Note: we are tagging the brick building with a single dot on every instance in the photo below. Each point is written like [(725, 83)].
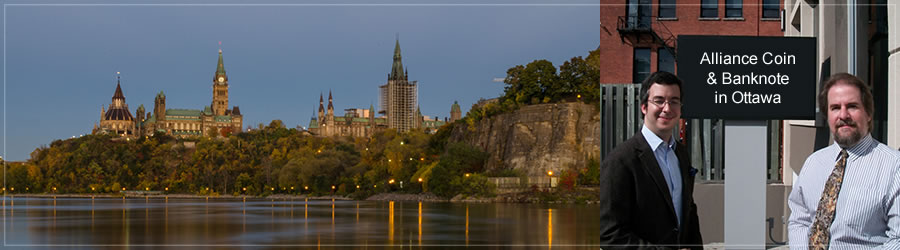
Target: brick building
[(637, 33)]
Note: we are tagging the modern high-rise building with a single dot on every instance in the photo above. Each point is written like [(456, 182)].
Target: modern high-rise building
[(399, 96)]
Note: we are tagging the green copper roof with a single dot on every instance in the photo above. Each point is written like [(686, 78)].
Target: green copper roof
[(161, 94), (397, 68), (220, 69), (313, 123), (183, 112)]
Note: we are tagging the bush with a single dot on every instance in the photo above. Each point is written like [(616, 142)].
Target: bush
[(475, 184), (591, 174)]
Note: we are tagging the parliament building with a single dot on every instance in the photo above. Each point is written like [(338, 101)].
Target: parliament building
[(398, 105), (215, 118)]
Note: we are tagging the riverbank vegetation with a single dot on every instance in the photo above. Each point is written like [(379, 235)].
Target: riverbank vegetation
[(269, 160)]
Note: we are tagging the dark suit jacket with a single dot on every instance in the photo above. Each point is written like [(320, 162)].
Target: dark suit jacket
[(636, 210)]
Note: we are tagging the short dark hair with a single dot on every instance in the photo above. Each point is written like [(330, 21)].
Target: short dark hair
[(662, 78), (865, 93)]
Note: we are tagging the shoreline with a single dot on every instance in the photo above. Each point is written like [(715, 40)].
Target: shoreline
[(177, 196), (578, 196)]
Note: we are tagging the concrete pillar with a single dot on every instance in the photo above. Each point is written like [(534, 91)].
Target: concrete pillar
[(893, 119)]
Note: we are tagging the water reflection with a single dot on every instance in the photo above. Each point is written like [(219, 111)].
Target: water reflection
[(271, 222), (549, 228), (420, 224)]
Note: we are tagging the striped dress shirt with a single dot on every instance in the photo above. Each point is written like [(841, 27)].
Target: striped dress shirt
[(867, 213)]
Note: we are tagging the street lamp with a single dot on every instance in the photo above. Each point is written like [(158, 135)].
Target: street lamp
[(550, 178)]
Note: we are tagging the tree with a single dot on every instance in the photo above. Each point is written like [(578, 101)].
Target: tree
[(541, 80), (225, 132), (276, 124), (212, 132), (577, 76)]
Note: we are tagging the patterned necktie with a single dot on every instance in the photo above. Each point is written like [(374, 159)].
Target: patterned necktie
[(819, 235)]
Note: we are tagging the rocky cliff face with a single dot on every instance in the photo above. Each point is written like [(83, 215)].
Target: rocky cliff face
[(537, 138)]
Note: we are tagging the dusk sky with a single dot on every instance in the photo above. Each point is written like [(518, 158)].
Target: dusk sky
[(60, 61)]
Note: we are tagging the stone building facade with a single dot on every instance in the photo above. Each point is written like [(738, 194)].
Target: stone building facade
[(399, 96), (216, 118), (118, 119)]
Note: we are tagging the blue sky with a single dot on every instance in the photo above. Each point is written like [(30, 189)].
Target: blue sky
[(61, 60)]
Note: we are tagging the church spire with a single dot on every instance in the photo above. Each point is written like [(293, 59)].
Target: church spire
[(321, 104), (330, 105), (221, 77), (118, 94), (397, 69)]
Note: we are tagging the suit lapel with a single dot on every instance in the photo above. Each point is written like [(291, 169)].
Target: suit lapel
[(648, 161)]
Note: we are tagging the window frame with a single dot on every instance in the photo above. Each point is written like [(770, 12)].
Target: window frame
[(666, 7), (639, 76), (734, 8), (771, 7), (707, 7)]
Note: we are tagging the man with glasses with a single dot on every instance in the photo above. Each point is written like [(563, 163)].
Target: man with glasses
[(647, 182)]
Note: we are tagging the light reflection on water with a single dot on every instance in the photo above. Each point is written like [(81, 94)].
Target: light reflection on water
[(91, 222)]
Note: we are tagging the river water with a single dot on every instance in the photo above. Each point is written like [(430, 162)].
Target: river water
[(291, 223)]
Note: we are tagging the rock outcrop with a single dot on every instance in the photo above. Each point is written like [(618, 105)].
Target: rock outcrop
[(537, 138)]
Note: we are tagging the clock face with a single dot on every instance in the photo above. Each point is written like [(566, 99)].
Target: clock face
[(221, 79)]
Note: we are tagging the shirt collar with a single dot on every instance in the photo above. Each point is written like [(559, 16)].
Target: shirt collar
[(861, 148), (653, 139)]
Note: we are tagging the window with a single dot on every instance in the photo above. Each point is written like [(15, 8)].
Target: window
[(709, 8), (734, 8), (770, 9), (638, 13), (665, 61), (667, 8), (641, 67)]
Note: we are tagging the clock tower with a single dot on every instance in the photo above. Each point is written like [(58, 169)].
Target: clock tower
[(220, 89)]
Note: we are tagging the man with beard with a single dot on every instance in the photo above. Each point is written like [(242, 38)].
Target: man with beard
[(648, 183), (847, 194)]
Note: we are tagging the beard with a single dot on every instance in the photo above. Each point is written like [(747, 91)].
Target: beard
[(848, 140)]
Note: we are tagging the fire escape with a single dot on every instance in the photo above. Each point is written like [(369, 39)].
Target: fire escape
[(637, 30)]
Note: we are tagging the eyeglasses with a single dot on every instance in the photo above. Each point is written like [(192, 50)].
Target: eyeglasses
[(672, 103)]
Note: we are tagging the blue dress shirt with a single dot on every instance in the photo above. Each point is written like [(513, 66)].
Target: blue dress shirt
[(668, 164)]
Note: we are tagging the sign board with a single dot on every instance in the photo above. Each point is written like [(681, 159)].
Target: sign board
[(747, 77)]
